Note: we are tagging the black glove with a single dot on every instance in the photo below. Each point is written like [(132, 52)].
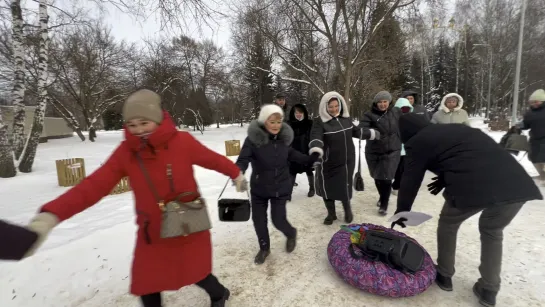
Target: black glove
[(399, 222), (436, 186), (314, 157)]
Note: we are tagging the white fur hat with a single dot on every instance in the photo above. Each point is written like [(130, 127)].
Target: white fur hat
[(268, 110), (538, 95)]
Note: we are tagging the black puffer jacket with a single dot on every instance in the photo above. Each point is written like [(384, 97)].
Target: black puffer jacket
[(534, 120), (270, 156), (383, 155), (477, 171), (331, 137), (301, 131)]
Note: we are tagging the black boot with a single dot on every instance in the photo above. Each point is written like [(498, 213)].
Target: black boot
[(261, 256), (383, 210), (311, 191), (348, 216), (443, 282), (486, 297), (221, 302), (331, 215), (291, 243)]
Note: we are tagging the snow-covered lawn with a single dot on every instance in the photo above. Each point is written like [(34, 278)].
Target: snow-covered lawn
[(86, 260)]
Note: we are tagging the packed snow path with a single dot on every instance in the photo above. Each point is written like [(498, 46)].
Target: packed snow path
[(86, 261)]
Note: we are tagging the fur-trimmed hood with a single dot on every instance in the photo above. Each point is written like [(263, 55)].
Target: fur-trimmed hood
[(259, 136), (323, 106), (460, 102)]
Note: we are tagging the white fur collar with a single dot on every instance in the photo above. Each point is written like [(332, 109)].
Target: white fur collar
[(323, 106), (460, 102)]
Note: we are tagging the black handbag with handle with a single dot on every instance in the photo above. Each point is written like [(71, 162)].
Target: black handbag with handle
[(233, 209), (358, 179)]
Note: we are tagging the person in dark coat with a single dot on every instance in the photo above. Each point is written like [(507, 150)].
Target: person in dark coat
[(514, 141), (477, 176), (301, 125), (15, 241), (280, 100), (412, 96), (267, 149), (331, 137), (534, 120), (383, 155)]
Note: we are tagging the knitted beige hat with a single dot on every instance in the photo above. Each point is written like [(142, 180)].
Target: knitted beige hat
[(538, 95), (143, 104)]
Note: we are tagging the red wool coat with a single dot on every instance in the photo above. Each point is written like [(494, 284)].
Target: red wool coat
[(159, 264)]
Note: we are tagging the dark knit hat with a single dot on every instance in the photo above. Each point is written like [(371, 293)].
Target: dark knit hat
[(410, 124), (143, 104)]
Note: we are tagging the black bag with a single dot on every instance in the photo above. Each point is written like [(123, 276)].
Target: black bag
[(398, 252), (233, 209), (358, 179)]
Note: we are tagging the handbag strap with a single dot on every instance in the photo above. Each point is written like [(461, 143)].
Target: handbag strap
[(160, 202), (359, 150), (225, 186)]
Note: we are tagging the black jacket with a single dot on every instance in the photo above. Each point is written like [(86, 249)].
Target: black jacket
[(417, 108), (478, 173), (270, 156), (331, 137), (301, 138), (382, 155), (15, 241), (534, 119)]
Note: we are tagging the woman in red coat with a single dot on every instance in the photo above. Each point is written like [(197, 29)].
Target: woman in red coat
[(168, 155)]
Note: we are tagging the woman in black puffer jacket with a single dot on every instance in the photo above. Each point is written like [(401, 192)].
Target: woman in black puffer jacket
[(383, 155), (267, 149), (301, 125)]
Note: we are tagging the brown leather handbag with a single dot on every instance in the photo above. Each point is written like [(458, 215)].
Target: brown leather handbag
[(179, 218)]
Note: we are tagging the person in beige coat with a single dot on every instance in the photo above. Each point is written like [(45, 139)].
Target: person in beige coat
[(450, 111)]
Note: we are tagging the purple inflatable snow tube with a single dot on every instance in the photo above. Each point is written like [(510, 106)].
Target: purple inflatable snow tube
[(374, 276)]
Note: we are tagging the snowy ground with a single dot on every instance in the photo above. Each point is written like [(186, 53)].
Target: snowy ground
[(86, 260)]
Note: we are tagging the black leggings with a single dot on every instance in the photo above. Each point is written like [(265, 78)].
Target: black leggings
[(210, 284), (384, 188)]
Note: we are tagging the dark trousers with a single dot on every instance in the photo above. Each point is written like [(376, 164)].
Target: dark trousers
[(309, 173), (399, 173), (491, 224), (210, 284), (278, 216), (384, 188)]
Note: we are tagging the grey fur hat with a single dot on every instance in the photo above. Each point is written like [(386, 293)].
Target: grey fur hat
[(382, 95)]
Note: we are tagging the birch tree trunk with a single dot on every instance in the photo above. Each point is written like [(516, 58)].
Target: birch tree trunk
[(29, 152), (18, 91), (7, 163)]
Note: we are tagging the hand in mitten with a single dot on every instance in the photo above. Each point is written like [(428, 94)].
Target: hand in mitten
[(314, 157), (15, 241), (400, 222), (42, 224), (241, 183), (377, 134), (436, 186)]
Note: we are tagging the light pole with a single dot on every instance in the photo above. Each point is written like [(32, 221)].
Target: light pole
[(519, 59), (489, 79)]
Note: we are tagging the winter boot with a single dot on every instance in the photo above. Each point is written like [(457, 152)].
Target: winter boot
[(221, 302), (348, 216), (311, 191), (443, 282), (383, 209), (331, 215), (291, 243), (261, 256), (486, 297)]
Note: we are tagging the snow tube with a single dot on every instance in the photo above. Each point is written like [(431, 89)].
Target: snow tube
[(374, 276)]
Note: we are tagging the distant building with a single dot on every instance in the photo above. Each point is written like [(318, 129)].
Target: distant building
[(54, 127)]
